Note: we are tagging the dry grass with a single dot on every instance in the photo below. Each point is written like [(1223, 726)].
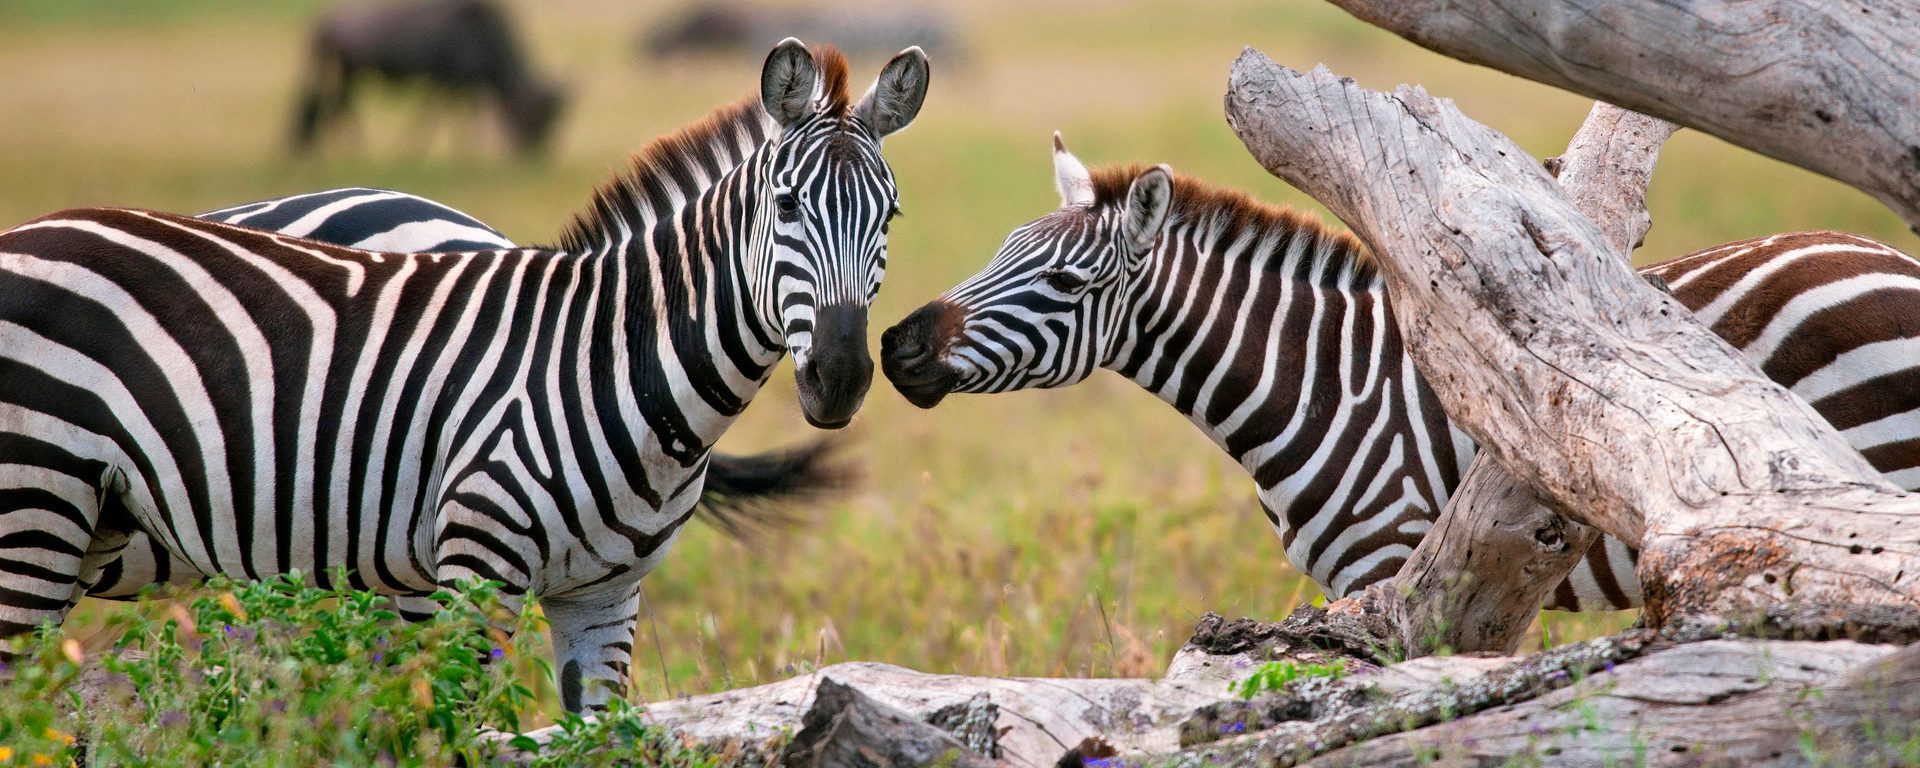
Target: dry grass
[(1075, 532)]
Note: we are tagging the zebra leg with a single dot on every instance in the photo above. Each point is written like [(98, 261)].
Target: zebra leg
[(47, 522), (1603, 580), (592, 643)]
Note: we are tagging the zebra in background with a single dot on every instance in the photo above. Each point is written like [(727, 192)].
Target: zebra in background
[(741, 495), (538, 417), (1273, 334)]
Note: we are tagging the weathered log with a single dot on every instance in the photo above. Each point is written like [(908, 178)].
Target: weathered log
[(1030, 721), (1596, 390), (1478, 578), (1721, 702), (1828, 86), (848, 729)]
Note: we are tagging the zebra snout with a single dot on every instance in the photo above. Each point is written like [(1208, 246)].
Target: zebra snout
[(910, 354), (834, 380)]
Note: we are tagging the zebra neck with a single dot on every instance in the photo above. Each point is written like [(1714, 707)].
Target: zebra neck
[(1256, 331), (690, 347)]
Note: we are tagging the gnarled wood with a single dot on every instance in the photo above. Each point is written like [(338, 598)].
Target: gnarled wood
[(1828, 86), (1598, 391), (1478, 578)]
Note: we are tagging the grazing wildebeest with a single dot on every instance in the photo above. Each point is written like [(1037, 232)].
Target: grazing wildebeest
[(746, 28), (466, 47)]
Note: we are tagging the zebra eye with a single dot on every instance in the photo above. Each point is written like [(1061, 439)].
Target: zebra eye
[(1063, 281), (788, 205)]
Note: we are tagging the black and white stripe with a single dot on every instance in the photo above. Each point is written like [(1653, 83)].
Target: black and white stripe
[(1275, 336), (367, 219), (539, 417)]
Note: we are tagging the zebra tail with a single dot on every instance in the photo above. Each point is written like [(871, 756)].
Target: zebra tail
[(748, 495)]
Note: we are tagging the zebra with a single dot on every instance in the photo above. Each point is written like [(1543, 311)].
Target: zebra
[(740, 494), (540, 418), (1273, 334)]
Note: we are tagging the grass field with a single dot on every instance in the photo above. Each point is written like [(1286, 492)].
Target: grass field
[(1073, 532)]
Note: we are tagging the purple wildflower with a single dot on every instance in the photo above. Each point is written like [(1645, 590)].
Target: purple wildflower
[(1233, 727), (498, 654), (379, 657), (173, 718)]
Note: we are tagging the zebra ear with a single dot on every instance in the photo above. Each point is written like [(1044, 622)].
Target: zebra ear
[(1148, 201), (1070, 176), (788, 82), (897, 94)]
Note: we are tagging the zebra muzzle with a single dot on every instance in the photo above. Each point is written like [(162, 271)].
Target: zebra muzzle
[(834, 380)]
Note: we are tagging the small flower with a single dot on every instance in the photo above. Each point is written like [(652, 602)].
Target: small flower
[(173, 718), (1609, 666), (6, 753), (498, 653), (379, 657)]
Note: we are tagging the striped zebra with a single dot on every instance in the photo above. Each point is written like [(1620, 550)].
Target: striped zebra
[(539, 417), (1273, 334), (739, 494)]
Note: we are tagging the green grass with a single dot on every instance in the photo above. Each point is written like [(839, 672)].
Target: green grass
[(1071, 532)]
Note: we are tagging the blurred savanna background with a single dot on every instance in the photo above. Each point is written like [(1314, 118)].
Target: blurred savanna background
[(1072, 532)]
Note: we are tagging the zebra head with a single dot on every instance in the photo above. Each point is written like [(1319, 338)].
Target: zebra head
[(1047, 310), (824, 206)]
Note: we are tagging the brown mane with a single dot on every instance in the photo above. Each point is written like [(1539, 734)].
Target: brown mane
[(1194, 198), (665, 173)]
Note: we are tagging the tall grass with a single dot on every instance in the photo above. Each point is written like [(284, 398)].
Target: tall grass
[(1071, 532)]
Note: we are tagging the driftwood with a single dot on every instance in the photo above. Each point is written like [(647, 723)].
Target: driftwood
[(1477, 579), (1828, 86), (1598, 391)]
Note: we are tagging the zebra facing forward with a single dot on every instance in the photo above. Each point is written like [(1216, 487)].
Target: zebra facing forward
[(740, 494), (542, 418), (1274, 335)]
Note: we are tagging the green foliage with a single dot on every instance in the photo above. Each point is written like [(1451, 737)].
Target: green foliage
[(281, 673), (1274, 676), (617, 737)]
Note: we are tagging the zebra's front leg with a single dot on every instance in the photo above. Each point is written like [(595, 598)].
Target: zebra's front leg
[(592, 643)]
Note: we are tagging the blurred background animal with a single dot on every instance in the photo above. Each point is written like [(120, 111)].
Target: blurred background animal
[(744, 29), (465, 49)]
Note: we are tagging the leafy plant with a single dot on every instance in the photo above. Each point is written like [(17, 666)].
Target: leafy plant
[(1275, 675), (278, 672)]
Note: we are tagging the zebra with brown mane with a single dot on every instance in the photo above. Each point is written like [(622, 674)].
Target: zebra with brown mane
[(1273, 333)]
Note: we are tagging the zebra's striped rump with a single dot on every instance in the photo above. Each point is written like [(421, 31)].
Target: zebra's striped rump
[(1274, 335), (257, 403)]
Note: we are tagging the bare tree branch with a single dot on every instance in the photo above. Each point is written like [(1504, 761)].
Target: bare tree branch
[(1828, 86)]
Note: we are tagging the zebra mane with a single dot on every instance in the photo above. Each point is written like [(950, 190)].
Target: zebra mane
[(1230, 209), (671, 170)]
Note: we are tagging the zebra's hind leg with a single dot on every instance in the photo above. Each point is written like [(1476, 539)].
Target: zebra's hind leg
[(592, 643)]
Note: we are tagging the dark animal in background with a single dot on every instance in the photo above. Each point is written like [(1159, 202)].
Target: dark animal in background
[(747, 30), (465, 47)]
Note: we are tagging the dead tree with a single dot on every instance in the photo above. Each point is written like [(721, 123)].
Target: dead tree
[(1478, 578), (1828, 86), (1595, 389)]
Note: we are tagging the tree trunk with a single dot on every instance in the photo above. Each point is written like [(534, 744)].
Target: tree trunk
[(1596, 390), (1478, 578), (1828, 86)]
